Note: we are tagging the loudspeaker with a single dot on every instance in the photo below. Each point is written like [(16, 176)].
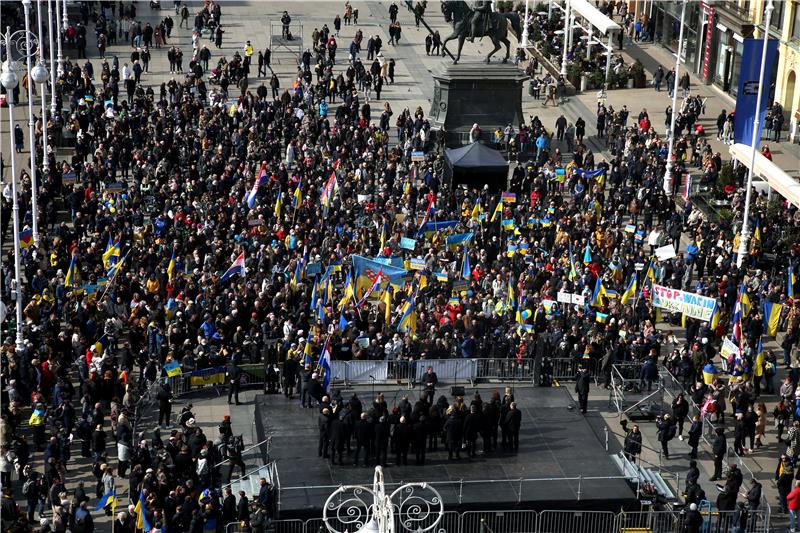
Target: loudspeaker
[(456, 390)]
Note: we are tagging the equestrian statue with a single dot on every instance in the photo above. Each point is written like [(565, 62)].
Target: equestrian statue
[(479, 21)]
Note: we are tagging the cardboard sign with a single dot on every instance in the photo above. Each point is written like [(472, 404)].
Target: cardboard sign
[(416, 263), (678, 301), (665, 252), (418, 155), (407, 244)]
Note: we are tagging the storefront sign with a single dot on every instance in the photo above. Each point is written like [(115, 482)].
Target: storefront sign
[(678, 301), (709, 11)]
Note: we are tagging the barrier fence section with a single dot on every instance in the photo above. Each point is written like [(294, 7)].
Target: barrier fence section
[(251, 375), (447, 370), (514, 521)]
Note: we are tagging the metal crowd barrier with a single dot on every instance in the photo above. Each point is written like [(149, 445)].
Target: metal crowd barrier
[(252, 375), (453, 370), (513, 521)]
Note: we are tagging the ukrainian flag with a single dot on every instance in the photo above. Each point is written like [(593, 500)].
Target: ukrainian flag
[(709, 373), (601, 317), (172, 369), (72, 274), (278, 203), (790, 282), (349, 293), (171, 266), (466, 271), (110, 498), (497, 211), (598, 293), (630, 290), (365, 271), (772, 317), (141, 518), (298, 196), (440, 276), (408, 320), (476, 211), (713, 322), (744, 301), (387, 300), (573, 272), (512, 302), (112, 250)]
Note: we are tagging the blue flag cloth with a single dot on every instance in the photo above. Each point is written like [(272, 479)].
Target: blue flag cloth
[(106, 500), (747, 96)]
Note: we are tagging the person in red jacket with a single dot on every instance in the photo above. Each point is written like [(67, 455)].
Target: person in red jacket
[(793, 502)]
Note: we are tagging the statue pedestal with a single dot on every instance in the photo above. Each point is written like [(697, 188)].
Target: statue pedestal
[(469, 93)]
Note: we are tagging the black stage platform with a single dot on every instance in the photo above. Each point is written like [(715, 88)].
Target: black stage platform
[(555, 442)]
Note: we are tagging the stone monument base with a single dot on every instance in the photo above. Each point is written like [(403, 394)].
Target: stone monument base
[(489, 95)]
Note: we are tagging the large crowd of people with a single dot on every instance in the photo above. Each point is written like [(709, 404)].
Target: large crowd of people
[(191, 223)]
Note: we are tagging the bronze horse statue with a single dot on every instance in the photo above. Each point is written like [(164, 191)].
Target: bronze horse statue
[(460, 14)]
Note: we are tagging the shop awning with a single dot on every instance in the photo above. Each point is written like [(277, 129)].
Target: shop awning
[(778, 180), (593, 16)]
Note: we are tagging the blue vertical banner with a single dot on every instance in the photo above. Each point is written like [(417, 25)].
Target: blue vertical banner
[(748, 89)]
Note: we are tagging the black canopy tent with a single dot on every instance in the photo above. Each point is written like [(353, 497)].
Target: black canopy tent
[(476, 165)]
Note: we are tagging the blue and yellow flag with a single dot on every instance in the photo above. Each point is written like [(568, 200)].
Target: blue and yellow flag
[(25, 238), (141, 517), (498, 210), (408, 318), (791, 282), (172, 369), (109, 498), (772, 317), (630, 290), (112, 251), (298, 196), (512, 302), (573, 272), (744, 301), (71, 279), (466, 271), (171, 266), (278, 204)]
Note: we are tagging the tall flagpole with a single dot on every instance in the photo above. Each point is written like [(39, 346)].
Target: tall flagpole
[(753, 140)]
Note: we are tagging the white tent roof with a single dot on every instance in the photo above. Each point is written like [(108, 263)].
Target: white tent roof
[(593, 16), (780, 181)]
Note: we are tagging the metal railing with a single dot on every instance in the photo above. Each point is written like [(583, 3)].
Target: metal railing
[(514, 521), (454, 370)]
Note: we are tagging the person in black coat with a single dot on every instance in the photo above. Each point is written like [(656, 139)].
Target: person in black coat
[(243, 507), (382, 430), (337, 432), (582, 381), (472, 427), (323, 424), (680, 410), (695, 432), (290, 369), (633, 443), (420, 439), (719, 448), (363, 433), (512, 422), (453, 428), (402, 437), (229, 510), (693, 520), (491, 418), (666, 432), (739, 434)]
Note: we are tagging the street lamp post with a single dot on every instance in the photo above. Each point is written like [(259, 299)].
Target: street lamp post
[(525, 27), (50, 34), (668, 173), (9, 80), (58, 37), (408, 507), (567, 23), (745, 237), (26, 4), (40, 72)]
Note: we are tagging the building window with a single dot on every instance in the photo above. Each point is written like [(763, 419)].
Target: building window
[(796, 22), (777, 14)]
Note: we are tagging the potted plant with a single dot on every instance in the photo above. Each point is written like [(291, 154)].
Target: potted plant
[(638, 74), (575, 72), (596, 79)]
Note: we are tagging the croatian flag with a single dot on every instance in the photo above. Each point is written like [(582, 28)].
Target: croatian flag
[(237, 267), (375, 284), (325, 364), (251, 196)]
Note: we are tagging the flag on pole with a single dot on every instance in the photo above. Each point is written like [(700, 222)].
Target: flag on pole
[(298, 196), (278, 203), (325, 364), (630, 290), (108, 498), (375, 284), (498, 210), (26, 238), (171, 266), (70, 280), (791, 282), (466, 271), (237, 267), (112, 251), (250, 198)]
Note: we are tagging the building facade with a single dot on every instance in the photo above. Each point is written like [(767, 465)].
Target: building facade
[(714, 34)]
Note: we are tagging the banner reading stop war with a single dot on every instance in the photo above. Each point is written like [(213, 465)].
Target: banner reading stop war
[(678, 301)]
